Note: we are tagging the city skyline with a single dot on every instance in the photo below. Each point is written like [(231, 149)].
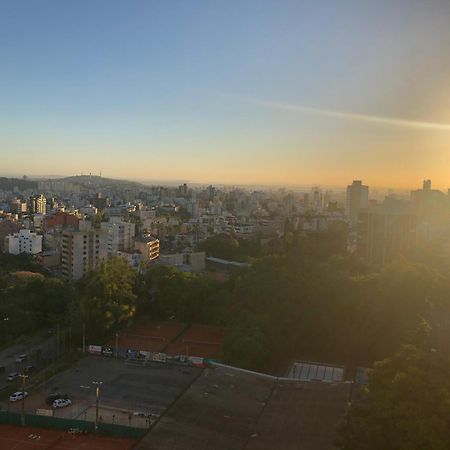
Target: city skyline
[(176, 182), (283, 93)]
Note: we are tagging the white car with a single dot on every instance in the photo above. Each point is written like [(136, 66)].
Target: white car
[(62, 402), (21, 358), (18, 396)]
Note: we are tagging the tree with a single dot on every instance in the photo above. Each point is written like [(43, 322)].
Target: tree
[(406, 405), (107, 297), (165, 292), (244, 346)]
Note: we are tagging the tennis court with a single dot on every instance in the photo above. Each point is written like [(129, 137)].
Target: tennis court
[(199, 340), (29, 438), (149, 336)]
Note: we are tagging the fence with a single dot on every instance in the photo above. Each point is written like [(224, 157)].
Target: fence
[(58, 423)]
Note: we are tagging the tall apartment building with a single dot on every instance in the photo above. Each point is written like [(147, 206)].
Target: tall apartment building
[(148, 246), (81, 250), (357, 200), (386, 231), (38, 204), (23, 242), (19, 206), (432, 210), (120, 235)]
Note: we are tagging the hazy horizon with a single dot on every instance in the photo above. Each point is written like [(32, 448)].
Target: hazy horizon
[(175, 182)]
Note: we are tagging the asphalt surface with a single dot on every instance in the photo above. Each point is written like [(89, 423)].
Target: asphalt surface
[(39, 354), (126, 389)]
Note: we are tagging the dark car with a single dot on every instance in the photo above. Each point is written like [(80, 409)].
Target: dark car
[(28, 370), (13, 376), (55, 396)]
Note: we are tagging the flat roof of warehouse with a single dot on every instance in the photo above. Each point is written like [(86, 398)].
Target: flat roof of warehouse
[(227, 408)]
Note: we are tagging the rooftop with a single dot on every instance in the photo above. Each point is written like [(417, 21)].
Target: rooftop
[(228, 408)]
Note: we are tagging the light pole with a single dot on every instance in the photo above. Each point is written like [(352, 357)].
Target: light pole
[(58, 339), (22, 415), (5, 320), (97, 398), (84, 337), (117, 345)]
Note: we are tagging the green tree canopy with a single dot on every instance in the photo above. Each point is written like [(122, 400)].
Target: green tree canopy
[(406, 405)]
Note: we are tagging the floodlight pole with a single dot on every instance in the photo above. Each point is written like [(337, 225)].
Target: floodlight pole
[(84, 337), (22, 414)]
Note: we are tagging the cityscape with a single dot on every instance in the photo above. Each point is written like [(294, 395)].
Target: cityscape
[(225, 225), (68, 225)]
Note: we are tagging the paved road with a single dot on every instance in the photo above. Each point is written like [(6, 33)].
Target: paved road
[(40, 354)]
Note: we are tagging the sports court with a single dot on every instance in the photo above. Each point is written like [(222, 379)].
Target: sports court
[(198, 340), (29, 438), (149, 336)]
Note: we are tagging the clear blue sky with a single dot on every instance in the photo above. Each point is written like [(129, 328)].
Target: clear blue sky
[(207, 90)]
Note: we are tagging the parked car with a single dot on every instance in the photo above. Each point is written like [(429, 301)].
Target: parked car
[(55, 396), (18, 396), (21, 358), (28, 370), (13, 376), (107, 351), (62, 402)]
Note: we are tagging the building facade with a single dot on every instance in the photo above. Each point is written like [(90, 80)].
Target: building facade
[(357, 200), (23, 242), (81, 251), (120, 235), (38, 204), (148, 246)]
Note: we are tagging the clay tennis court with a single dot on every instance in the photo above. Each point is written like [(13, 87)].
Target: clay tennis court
[(149, 336), (29, 438), (198, 340)]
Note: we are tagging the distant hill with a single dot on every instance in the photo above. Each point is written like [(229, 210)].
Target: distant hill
[(95, 180)]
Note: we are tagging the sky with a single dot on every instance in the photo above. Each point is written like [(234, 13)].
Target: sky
[(236, 91)]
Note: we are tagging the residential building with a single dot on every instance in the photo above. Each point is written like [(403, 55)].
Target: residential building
[(23, 242), (120, 235), (19, 206), (61, 220), (99, 202), (357, 200), (188, 261), (148, 246), (82, 250), (432, 210), (49, 259), (7, 227), (386, 231), (38, 204)]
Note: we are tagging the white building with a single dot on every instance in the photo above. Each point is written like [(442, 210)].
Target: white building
[(120, 235), (23, 242), (38, 204)]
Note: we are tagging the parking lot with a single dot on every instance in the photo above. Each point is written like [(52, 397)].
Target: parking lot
[(125, 390)]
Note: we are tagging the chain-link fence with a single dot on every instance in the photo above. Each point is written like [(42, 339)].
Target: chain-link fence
[(58, 423)]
